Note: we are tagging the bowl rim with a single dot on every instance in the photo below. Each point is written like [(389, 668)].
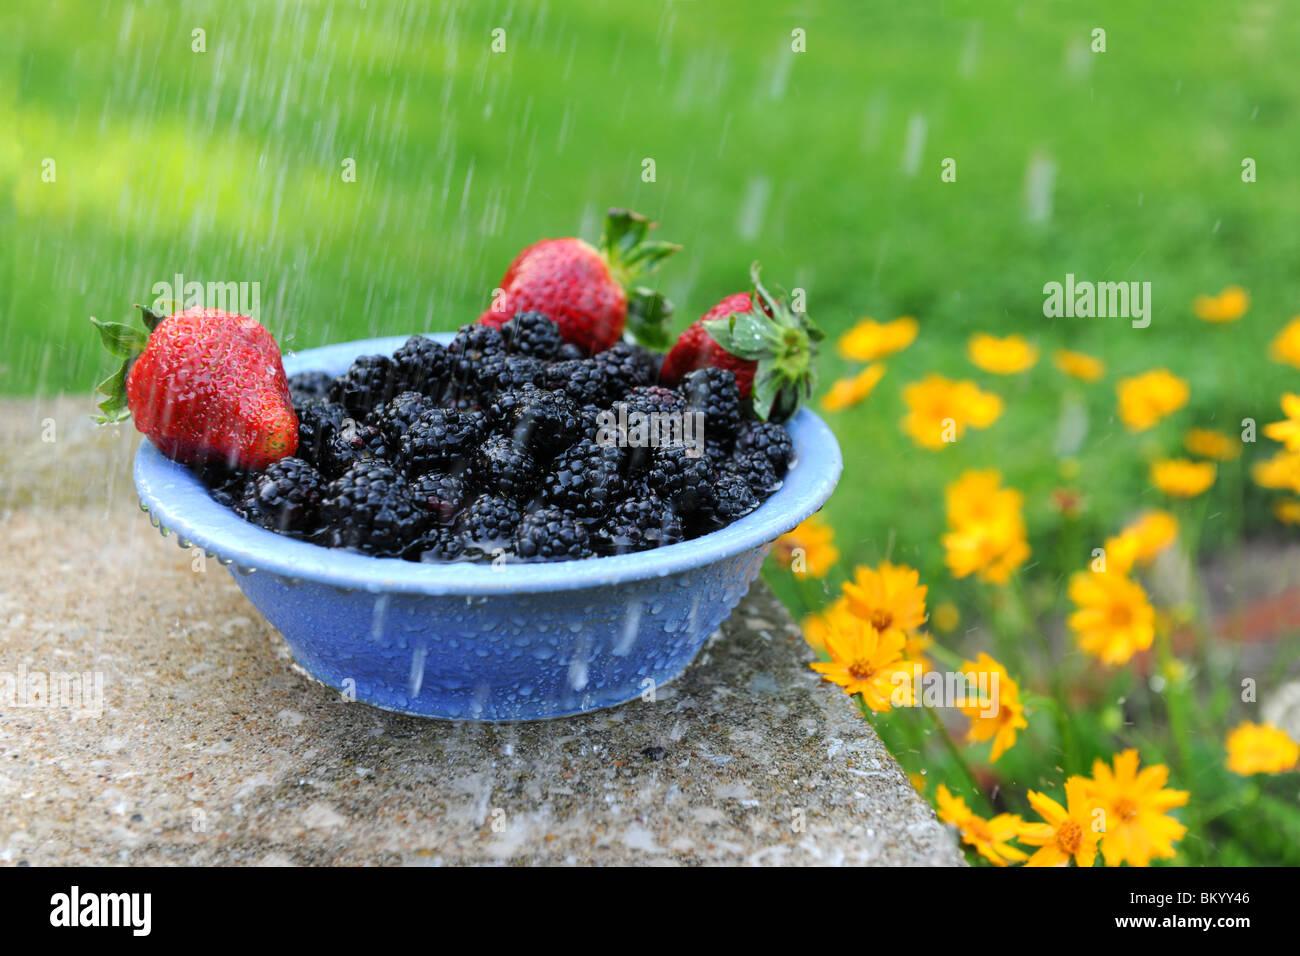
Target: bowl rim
[(179, 503)]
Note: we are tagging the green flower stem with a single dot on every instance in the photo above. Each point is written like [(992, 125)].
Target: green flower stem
[(1176, 704), (958, 758)]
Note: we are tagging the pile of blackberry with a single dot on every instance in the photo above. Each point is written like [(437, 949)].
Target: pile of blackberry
[(498, 444)]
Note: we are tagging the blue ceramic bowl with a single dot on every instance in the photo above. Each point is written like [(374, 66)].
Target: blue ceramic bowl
[(474, 642)]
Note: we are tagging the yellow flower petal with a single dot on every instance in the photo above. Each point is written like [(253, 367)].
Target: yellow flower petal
[(1228, 306), (870, 340), (1147, 398), (1078, 365), (1005, 356)]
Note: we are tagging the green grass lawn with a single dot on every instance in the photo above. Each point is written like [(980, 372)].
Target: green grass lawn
[(226, 165)]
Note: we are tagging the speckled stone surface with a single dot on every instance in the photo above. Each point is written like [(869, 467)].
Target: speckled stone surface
[(214, 748)]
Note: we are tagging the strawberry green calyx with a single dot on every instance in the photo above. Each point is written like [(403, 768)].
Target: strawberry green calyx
[(125, 342), (630, 255), (781, 341)]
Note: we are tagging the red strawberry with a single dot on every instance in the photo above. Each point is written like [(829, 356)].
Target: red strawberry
[(584, 290), (770, 350), (203, 385), (696, 348)]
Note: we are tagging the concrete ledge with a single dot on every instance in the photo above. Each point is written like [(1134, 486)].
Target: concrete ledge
[(213, 748)]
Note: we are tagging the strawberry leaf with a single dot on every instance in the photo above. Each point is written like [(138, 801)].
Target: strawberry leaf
[(648, 316), (781, 342), (743, 334), (113, 408), (648, 255), (627, 251), (624, 231), (121, 340), (151, 318), (767, 386)]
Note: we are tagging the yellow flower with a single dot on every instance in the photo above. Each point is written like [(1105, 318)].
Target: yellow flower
[(890, 597), (1287, 511), (946, 617), (847, 392), (1147, 398), (1280, 471), (1000, 713), (1141, 540), (914, 649), (1182, 478), (987, 536), (1078, 365), (1001, 356), (809, 549), (1067, 833), (864, 661), (870, 340), (1287, 431), (1137, 827), (1260, 748), (1208, 443), (990, 838), (940, 410), (1228, 306), (1286, 347), (1114, 620), (818, 624)]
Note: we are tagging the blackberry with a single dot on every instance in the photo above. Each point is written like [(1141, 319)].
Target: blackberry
[(654, 398), (439, 437), (439, 494), (732, 499), (351, 442), (549, 534), (758, 471), (681, 477), (316, 422), (638, 524), (394, 418), (770, 439), (371, 381), (285, 496), (649, 416), (473, 344), (583, 380), (590, 419), (226, 487), (713, 392), (538, 419), (532, 333), (422, 365), (435, 546), (502, 373), (570, 350), (307, 387), (503, 465), (488, 522), (585, 480), (628, 366), (369, 507)]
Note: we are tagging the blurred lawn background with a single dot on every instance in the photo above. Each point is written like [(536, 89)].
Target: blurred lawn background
[(226, 166)]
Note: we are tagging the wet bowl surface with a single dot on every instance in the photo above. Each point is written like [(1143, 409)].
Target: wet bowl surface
[(476, 642)]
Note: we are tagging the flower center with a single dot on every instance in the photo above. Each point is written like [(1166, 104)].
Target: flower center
[(1126, 808), (881, 619), (1120, 616), (1069, 837), (862, 669)]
